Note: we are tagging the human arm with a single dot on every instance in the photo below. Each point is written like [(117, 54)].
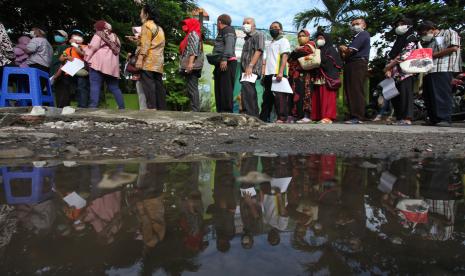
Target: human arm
[(93, 46), (285, 49), (32, 46), (446, 52), (192, 50), (145, 44), (229, 44), (249, 69)]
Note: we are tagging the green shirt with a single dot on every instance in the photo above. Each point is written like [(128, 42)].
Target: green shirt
[(57, 52)]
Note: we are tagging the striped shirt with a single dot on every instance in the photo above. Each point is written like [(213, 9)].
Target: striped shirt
[(193, 45), (443, 40)]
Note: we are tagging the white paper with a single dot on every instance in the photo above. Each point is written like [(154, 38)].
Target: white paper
[(72, 67), (386, 182), (281, 183), (252, 78), (250, 191), (73, 199), (282, 86), (389, 88)]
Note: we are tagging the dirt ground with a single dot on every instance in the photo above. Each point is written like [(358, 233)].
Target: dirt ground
[(103, 134)]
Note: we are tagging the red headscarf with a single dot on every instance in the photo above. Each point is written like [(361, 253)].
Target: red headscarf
[(189, 25)]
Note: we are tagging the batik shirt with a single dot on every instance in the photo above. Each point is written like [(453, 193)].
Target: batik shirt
[(7, 53)]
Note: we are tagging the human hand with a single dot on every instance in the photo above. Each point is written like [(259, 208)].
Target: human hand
[(224, 66), (69, 58), (140, 62), (248, 71), (189, 68), (388, 74), (279, 77)]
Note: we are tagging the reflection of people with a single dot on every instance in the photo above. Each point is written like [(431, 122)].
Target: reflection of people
[(225, 205), (38, 218), (274, 212), (441, 186), (104, 215)]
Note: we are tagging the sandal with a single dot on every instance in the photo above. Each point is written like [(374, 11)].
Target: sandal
[(279, 122), (353, 122), (325, 121)]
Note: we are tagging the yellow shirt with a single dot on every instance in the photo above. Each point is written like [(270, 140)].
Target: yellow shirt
[(152, 46)]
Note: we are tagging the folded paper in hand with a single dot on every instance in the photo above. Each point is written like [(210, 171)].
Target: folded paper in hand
[(252, 78), (251, 191), (75, 200), (72, 67), (282, 86)]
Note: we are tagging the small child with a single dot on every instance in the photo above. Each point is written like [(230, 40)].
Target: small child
[(20, 51)]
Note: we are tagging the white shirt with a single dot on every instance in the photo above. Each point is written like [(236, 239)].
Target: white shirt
[(274, 53), (271, 214)]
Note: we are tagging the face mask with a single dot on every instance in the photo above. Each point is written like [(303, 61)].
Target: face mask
[(428, 37), (78, 39), (274, 33), (247, 28), (320, 42), (400, 30), (356, 29), (59, 39), (302, 40)]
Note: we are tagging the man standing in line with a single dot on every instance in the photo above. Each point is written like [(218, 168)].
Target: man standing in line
[(251, 63), (225, 71), (437, 86), (356, 57), (277, 54)]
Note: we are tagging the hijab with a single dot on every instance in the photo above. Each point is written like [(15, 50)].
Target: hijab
[(189, 25), (403, 40), (103, 30), (331, 61)]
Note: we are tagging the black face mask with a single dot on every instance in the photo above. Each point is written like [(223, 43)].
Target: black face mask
[(274, 33)]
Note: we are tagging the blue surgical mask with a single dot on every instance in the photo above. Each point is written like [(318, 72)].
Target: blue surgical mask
[(59, 39)]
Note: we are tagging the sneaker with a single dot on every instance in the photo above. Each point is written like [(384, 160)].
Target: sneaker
[(304, 121), (443, 124), (353, 122)]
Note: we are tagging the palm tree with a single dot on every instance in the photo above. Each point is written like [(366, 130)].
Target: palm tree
[(336, 14)]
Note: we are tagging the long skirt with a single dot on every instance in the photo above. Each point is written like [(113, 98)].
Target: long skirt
[(323, 103)]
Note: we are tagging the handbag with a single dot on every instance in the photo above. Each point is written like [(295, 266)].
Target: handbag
[(198, 62), (131, 65), (419, 61), (311, 61), (331, 84), (213, 59)]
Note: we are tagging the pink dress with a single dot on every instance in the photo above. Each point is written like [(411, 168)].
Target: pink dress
[(100, 57)]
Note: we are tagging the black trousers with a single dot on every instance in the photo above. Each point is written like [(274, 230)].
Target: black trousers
[(154, 91), (268, 99), (355, 73), (224, 87), (192, 81), (63, 88), (249, 98), (437, 92), (403, 103)]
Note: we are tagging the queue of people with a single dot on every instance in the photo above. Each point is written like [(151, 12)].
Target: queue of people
[(313, 89)]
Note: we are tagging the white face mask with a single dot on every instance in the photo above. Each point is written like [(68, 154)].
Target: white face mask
[(402, 29), (428, 37), (320, 42), (356, 28), (77, 39), (247, 28)]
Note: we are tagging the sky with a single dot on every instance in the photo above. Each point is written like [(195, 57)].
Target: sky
[(264, 11)]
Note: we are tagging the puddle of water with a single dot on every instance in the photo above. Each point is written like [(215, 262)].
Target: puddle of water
[(292, 215)]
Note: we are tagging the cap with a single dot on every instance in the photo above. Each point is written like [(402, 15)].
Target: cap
[(62, 33)]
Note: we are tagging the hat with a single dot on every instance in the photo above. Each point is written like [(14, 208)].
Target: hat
[(77, 31), (62, 33)]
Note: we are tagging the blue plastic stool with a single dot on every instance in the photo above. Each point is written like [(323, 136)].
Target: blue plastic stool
[(37, 177), (35, 89)]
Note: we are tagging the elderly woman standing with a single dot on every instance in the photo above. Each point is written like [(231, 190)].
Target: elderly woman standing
[(7, 54), (40, 51), (327, 81), (150, 58), (191, 49), (300, 80), (102, 55)]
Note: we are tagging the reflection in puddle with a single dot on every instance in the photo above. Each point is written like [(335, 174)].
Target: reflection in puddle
[(252, 215)]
